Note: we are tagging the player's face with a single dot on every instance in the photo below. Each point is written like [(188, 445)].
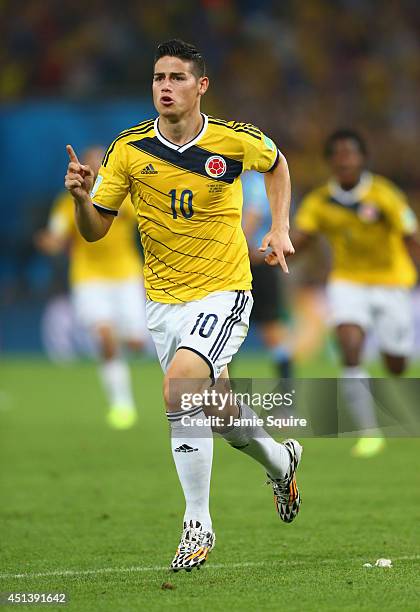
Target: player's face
[(93, 157), (176, 89), (347, 162)]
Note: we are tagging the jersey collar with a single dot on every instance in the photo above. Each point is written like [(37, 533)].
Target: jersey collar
[(187, 145), (347, 198)]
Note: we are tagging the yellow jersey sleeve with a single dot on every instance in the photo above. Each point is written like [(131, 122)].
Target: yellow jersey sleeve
[(260, 152), (399, 213), (112, 183), (307, 218), (61, 219)]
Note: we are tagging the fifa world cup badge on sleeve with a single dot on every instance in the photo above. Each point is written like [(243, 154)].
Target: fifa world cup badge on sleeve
[(96, 186)]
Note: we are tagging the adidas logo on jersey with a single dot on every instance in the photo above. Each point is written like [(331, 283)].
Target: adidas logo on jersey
[(184, 448), (149, 170)]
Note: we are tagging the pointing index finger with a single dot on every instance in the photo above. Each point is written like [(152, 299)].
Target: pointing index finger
[(283, 264), (72, 155)]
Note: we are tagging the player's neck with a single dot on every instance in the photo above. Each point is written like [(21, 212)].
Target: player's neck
[(349, 184), (181, 130)]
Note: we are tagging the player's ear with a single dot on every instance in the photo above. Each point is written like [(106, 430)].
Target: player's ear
[(203, 84)]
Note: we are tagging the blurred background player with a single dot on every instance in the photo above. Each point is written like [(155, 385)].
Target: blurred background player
[(370, 228), (107, 293), (270, 310)]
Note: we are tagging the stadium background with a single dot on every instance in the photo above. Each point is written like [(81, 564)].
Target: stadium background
[(71, 72)]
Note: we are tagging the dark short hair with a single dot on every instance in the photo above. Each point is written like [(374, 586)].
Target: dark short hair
[(344, 134), (183, 50)]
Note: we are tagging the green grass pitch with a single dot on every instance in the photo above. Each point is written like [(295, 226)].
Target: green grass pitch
[(97, 513)]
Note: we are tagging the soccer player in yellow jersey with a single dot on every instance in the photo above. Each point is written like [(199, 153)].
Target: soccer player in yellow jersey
[(182, 171), (107, 292), (370, 227)]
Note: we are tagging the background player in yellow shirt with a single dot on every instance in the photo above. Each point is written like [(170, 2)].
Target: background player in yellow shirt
[(369, 226), (107, 292), (182, 171)]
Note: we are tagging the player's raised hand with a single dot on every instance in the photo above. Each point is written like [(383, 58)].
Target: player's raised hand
[(79, 178), (281, 247)]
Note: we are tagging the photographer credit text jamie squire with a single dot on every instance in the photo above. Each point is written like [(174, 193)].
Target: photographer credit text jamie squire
[(216, 421), (213, 398)]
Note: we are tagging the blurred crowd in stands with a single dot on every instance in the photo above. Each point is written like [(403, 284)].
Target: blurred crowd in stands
[(296, 68)]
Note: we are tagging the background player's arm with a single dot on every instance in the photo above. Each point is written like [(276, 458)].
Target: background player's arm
[(251, 222), (301, 240), (306, 223), (404, 220), (49, 243), (412, 243), (55, 237), (92, 224)]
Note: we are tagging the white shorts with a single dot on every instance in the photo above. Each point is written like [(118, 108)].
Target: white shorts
[(120, 304), (213, 327), (386, 310)]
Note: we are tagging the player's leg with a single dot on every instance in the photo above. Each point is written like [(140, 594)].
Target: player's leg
[(191, 443), (395, 364), (351, 313), (249, 437), (191, 438), (394, 324), (220, 324), (131, 314), (95, 308), (269, 305), (279, 460), (274, 336)]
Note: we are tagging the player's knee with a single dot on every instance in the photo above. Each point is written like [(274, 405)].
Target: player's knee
[(398, 370), (107, 342), (173, 391), (351, 352), (135, 345), (170, 403), (351, 360), (397, 367)]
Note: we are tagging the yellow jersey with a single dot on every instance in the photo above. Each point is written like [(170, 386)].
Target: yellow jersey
[(114, 257), (365, 228), (188, 201)]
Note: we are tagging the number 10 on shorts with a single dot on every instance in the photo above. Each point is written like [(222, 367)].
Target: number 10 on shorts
[(207, 324)]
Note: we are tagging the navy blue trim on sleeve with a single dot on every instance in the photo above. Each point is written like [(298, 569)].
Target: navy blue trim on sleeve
[(276, 161), (108, 211)]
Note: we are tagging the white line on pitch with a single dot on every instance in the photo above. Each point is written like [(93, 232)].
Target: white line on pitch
[(121, 570), (157, 568)]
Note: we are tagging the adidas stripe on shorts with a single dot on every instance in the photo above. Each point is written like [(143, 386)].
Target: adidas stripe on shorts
[(213, 327)]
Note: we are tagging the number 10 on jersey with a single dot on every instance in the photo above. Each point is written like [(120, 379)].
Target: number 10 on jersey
[(185, 203)]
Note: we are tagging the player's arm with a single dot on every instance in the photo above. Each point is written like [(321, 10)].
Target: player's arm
[(49, 243), (251, 221), (404, 220), (278, 189), (92, 224), (301, 240), (412, 243), (55, 237), (306, 223)]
